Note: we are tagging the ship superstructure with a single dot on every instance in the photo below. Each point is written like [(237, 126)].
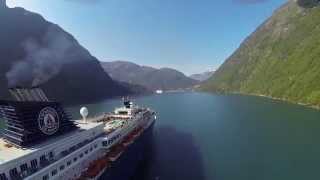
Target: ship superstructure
[(40, 141)]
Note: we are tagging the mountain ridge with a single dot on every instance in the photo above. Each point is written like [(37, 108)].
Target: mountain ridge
[(202, 76), (149, 77)]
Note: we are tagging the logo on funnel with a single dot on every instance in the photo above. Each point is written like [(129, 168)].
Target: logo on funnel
[(48, 121)]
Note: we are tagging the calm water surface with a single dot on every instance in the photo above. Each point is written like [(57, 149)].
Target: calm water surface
[(209, 137)]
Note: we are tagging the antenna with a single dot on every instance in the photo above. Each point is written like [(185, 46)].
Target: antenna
[(84, 113)]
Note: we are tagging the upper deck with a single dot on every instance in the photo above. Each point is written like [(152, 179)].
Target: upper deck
[(9, 153)]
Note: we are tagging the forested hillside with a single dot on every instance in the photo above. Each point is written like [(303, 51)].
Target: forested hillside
[(280, 59)]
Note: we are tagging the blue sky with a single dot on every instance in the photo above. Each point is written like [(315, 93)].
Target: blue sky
[(189, 35)]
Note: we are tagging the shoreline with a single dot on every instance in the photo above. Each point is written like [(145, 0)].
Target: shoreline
[(316, 107), (279, 99)]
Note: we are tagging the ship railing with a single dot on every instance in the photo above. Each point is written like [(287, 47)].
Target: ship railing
[(102, 118)]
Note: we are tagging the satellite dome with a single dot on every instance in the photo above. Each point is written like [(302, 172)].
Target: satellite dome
[(84, 112)]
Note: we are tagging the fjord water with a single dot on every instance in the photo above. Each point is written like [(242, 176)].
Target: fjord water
[(201, 136)]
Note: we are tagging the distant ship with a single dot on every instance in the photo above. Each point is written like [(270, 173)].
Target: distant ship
[(41, 142), (159, 91)]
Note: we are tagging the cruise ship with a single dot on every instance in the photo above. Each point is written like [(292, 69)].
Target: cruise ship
[(40, 140)]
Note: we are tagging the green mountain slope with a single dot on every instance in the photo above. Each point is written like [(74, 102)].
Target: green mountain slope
[(280, 59)]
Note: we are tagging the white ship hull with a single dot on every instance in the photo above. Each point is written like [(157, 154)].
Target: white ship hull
[(91, 152)]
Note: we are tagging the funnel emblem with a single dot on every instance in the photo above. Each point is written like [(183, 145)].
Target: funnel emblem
[(48, 121)]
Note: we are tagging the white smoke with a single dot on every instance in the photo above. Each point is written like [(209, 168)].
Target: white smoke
[(44, 59)]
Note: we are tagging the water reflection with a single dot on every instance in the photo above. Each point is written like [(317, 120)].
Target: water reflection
[(172, 156)]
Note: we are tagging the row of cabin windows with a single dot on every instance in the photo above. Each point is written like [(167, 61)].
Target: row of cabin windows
[(43, 161), (34, 165), (62, 167), (110, 141), (24, 167)]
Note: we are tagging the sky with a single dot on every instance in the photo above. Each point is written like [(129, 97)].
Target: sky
[(192, 36)]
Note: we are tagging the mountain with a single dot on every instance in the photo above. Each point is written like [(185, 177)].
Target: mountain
[(202, 76), (151, 78), (281, 59), (35, 52)]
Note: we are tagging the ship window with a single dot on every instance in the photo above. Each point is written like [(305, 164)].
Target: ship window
[(34, 163), (54, 172), (43, 160), (46, 177), (13, 173), (75, 159), (86, 152), (81, 155), (51, 155), (91, 149), (68, 163), (3, 176), (95, 146), (24, 167), (61, 167)]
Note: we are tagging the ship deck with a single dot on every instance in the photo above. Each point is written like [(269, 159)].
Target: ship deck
[(9, 153)]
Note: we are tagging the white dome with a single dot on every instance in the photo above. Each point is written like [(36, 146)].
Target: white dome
[(84, 112)]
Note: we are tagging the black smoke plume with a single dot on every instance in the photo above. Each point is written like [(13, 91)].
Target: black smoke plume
[(43, 58)]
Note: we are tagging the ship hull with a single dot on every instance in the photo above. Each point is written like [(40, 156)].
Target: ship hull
[(125, 167)]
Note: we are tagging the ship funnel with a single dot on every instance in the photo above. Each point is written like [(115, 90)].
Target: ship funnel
[(20, 93), (28, 95), (15, 94), (41, 94), (35, 95)]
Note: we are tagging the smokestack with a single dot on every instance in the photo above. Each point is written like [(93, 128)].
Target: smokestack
[(27, 94), (21, 95), (41, 94), (24, 94), (34, 94), (44, 95), (36, 90), (14, 94)]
